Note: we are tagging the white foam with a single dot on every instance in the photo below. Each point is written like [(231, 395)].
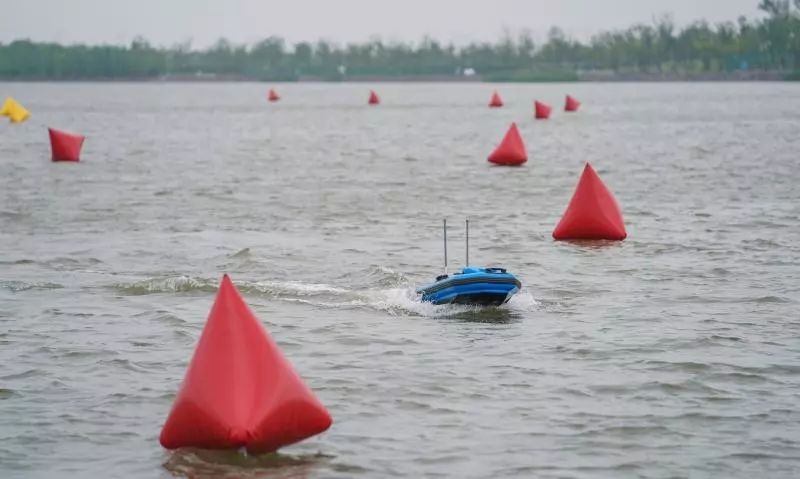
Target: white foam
[(523, 301), (294, 287), (405, 300)]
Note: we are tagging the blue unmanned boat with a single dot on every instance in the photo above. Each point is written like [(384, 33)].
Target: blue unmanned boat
[(472, 286)]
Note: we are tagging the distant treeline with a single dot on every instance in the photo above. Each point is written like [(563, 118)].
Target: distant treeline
[(771, 43)]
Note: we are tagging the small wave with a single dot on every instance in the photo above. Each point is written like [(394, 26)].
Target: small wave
[(23, 375), (7, 393), (242, 253), (376, 275), (17, 262), (785, 369), (759, 456), (717, 337), (71, 264), (127, 365), (739, 378), (770, 299), (18, 286), (630, 431), (672, 388), (12, 215), (172, 284), (688, 366)]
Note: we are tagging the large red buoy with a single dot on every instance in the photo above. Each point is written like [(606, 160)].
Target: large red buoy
[(496, 101), (511, 151), (542, 110), (239, 390), (373, 98), (273, 95), (65, 146), (593, 212), (571, 104)]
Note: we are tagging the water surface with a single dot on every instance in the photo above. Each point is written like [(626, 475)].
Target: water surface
[(675, 353)]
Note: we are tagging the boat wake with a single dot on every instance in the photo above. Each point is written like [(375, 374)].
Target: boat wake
[(394, 294), (193, 284)]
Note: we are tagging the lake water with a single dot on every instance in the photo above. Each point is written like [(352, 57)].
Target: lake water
[(675, 353)]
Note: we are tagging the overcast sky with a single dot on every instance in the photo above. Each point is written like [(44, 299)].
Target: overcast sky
[(166, 22)]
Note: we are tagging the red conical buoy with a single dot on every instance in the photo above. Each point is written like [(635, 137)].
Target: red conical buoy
[(542, 110), (273, 95), (239, 390), (496, 101), (593, 212), (511, 151), (65, 146), (373, 98), (571, 104)]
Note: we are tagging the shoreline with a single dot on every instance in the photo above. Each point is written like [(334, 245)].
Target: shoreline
[(583, 77)]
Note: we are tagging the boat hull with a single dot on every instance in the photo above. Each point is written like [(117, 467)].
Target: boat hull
[(474, 286)]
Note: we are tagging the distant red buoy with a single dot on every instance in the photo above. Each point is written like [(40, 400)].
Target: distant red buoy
[(571, 104), (65, 146), (511, 151), (593, 212), (373, 98), (239, 390), (542, 110), (496, 101), (273, 95)]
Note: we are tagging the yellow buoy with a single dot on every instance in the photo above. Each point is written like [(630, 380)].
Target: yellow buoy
[(14, 111)]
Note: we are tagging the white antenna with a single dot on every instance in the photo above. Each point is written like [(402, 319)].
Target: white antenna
[(467, 263), (445, 246)]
